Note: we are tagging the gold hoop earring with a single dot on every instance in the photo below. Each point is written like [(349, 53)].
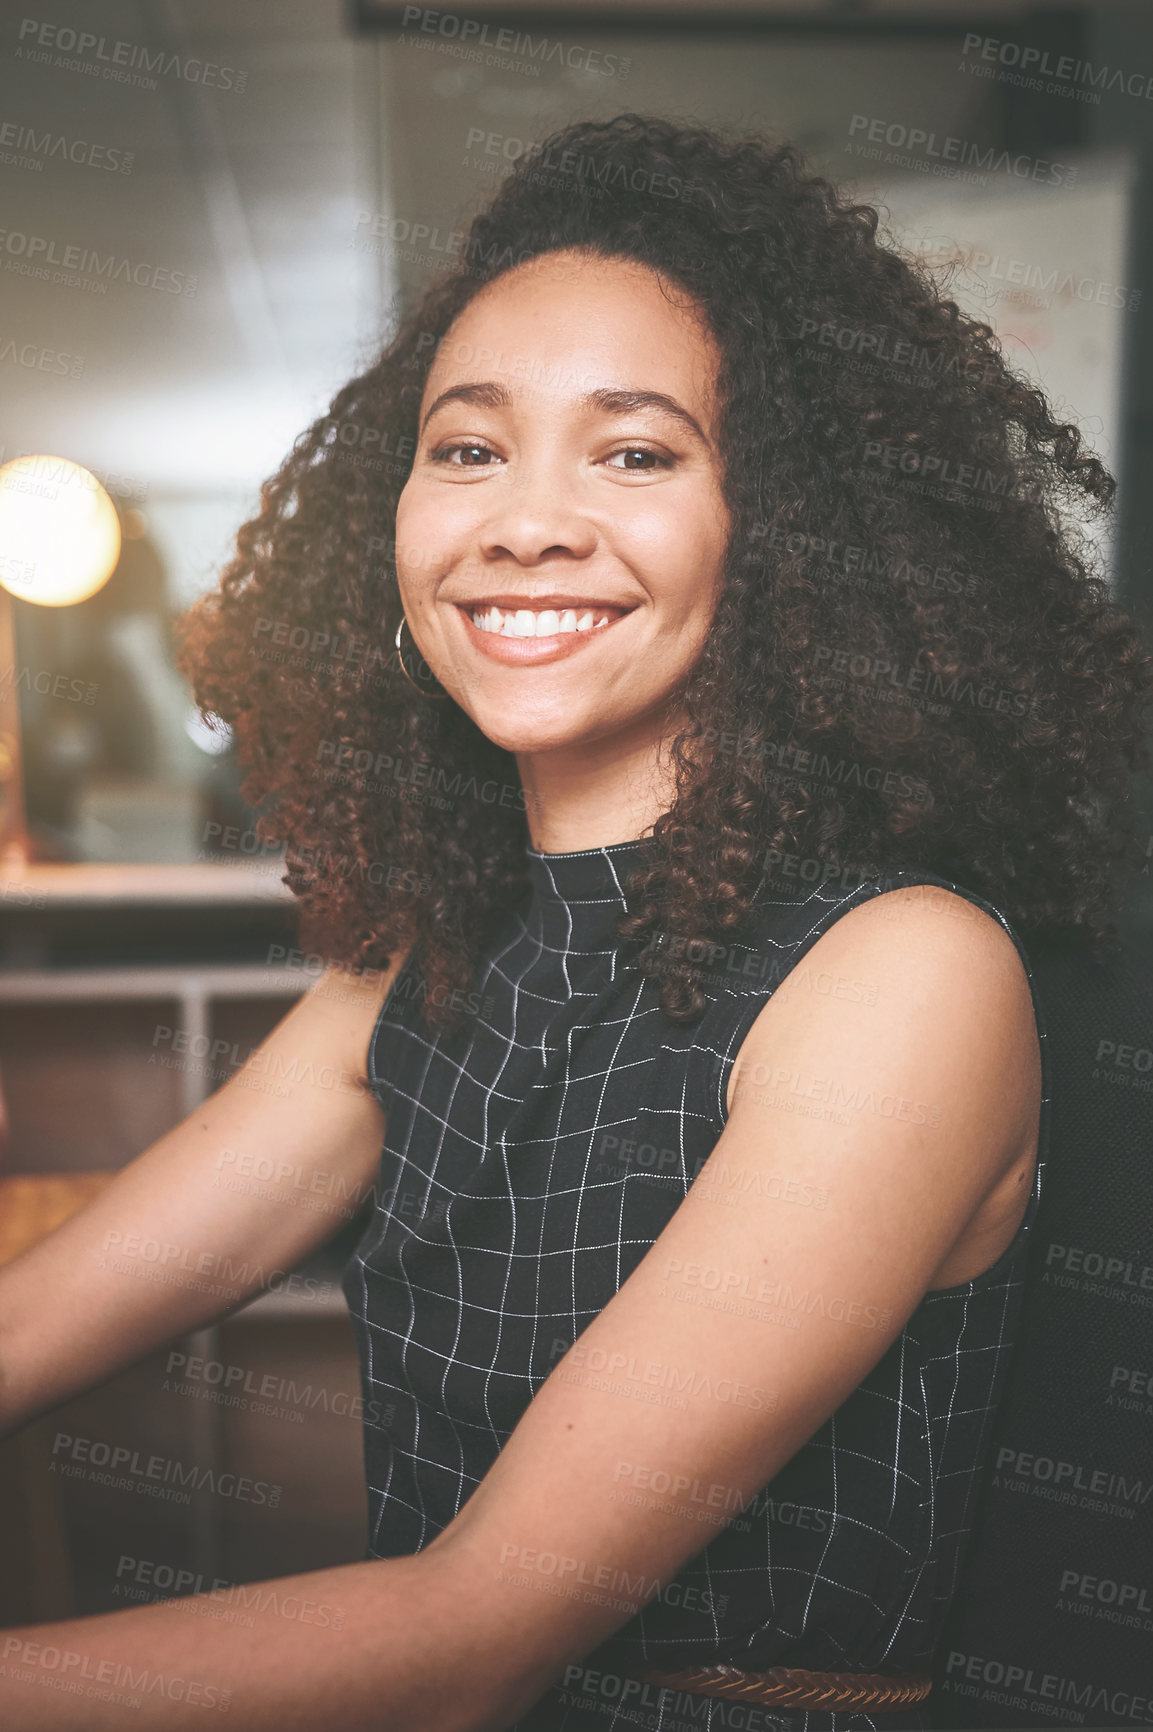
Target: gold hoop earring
[(436, 697)]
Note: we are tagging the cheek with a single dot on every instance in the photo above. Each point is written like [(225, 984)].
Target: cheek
[(684, 531), (432, 517), (407, 508), (423, 539), (690, 565), (662, 542)]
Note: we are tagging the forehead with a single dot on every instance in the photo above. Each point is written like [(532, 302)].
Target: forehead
[(567, 323)]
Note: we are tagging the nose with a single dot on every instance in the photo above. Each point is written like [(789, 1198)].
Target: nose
[(535, 513)]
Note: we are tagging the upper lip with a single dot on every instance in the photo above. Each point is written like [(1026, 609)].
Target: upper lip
[(511, 603)]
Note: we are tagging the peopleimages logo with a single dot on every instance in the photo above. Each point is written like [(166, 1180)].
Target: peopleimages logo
[(962, 153), (1063, 69), (506, 43), (128, 1470), (37, 358), (1048, 282), (123, 62), (1044, 1467), (150, 1581), (24, 147), (38, 1662), (31, 255), (1050, 1686)]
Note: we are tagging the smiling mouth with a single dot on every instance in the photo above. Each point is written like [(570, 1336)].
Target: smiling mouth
[(542, 622)]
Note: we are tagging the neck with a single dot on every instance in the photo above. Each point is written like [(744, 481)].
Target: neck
[(600, 792)]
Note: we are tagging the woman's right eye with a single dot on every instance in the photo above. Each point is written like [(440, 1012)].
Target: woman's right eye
[(441, 454)]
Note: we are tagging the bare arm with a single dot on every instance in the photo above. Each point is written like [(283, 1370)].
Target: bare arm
[(259, 1175), (594, 1501)]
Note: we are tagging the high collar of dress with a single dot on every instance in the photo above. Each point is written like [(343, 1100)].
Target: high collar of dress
[(576, 897)]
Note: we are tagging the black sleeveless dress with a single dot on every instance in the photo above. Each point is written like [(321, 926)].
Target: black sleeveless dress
[(529, 1163)]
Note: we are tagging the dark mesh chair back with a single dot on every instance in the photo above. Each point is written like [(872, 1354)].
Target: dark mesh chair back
[(1053, 1619)]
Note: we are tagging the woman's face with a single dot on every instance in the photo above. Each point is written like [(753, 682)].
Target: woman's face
[(566, 473)]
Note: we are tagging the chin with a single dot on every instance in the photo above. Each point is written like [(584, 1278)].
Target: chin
[(530, 741), (529, 735)]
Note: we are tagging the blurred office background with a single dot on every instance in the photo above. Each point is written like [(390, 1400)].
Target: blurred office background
[(281, 177)]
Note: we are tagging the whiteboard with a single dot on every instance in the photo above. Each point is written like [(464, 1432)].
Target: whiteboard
[(1046, 268)]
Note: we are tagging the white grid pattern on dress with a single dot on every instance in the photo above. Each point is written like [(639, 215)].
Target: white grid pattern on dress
[(508, 1216)]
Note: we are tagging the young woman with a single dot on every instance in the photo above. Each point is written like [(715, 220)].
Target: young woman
[(750, 701)]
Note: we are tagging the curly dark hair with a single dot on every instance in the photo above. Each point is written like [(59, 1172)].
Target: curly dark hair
[(913, 658)]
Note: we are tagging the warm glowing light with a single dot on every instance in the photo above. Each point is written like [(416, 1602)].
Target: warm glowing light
[(59, 533)]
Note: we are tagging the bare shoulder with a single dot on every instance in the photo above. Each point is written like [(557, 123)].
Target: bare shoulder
[(925, 993), (902, 950), (929, 949)]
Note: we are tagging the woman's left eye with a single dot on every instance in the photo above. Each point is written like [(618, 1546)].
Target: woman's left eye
[(658, 457)]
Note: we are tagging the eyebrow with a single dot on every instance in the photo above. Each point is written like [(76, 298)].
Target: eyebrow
[(489, 394)]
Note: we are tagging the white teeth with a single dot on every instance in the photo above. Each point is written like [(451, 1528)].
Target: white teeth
[(524, 622)]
